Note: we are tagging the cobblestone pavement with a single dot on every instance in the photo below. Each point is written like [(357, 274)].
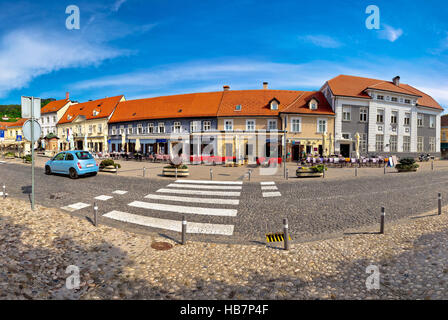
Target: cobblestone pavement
[(316, 209), (37, 247)]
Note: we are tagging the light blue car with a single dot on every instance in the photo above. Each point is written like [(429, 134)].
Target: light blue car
[(74, 163)]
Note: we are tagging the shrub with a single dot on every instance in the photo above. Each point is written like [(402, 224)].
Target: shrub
[(407, 164), (109, 162), (319, 168), (27, 158), (407, 161), (181, 166), (9, 154)]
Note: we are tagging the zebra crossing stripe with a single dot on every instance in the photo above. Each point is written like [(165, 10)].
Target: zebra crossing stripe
[(269, 188), (103, 198), (194, 186), (121, 192), (172, 225), (184, 209), (267, 183), (75, 206), (209, 182), (192, 200), (201, 192), (271, 194)]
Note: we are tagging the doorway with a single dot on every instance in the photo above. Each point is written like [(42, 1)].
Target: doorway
[(296, 152), (345, 150)]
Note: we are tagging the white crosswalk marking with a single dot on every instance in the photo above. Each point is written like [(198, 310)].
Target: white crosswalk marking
[(121, 192), (266, 186), (209, 182), (193, 200), (202, 192), (194, 186), (172, 225), (184, 209), (76, 206), (103, 198)]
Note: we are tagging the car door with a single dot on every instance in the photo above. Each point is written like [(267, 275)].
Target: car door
[(68, 163), (57, 163)]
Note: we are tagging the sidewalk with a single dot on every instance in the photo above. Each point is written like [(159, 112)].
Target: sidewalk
[(202, 172)]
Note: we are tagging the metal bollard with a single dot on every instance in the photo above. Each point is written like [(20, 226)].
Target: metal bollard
[(184, 230), (383, 216), (176, 173), (116, 169), (432, 164), (95, 214), (440, 203), (287, 174), (144, 172), (4, 192), (384, 169), (323, 173), (249, 173), (211, 174), (286, 233), (356, 171)]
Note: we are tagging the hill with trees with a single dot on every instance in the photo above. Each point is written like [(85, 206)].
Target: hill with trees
[(13, 111)]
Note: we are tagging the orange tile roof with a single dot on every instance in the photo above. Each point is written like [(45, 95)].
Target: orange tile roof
[(54, 106), (351, 86), (184, 105), (18, 123), (104, 106), (255, 102), (300, 105)]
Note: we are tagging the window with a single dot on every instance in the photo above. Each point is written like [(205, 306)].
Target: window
[(407, 119), (274, 105), (363, 114), (444, 136), (379, 143), (139, 128), (419, 120), (296, 125), (393, 117), (394, 99), (161, 127), (250, 125), (380, 116), (129, 131), (363, 142), (432, 144), (54, 119), (380, 97), (207, 125), (228, 125), (432, 121), (346, 136), (406, 144), (195, 126), (393, 143), (69, 157), (121, 130), (151, 128), (313, 104), (272, 124), (90, 128), (177, 127), (419, 144), (114, 131), (100, 128), (346, 114), (321, 125), (238, 107), (408, 101)]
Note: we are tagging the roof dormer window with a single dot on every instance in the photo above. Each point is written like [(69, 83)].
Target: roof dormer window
[(69, 117), (238, 107), (95, 113), (274, 105)]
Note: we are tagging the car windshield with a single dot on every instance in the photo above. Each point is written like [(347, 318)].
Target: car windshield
[(83, 155)]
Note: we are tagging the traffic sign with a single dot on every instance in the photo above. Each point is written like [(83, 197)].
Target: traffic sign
[(26, 129), (26, 107)]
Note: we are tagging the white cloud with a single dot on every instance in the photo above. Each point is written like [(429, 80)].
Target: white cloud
[(117, 5), (390, 33), (27, 54), (322, 41)]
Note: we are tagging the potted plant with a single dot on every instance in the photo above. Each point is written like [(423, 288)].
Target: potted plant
[(109, 165), (407, 165), (176, 168), (311, 172), (27, 158)]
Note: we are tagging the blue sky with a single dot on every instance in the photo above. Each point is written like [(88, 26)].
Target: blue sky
[(145, 48)]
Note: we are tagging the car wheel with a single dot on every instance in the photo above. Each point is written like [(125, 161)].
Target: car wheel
[(73, 173), (47, 170)]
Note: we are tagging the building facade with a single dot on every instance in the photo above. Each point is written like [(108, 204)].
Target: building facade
[(51, 114), (84, 126), (390, 118), (444, 136)]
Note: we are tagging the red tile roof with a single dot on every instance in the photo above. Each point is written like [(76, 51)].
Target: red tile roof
[(54, 106), (104, 107), (18, 123), (184, 105), (255, 102), (351, 86), (300, 105)]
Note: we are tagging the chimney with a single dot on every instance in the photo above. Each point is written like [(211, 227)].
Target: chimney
[(396, 81), (265, 85), (226, 88), (67, 95)]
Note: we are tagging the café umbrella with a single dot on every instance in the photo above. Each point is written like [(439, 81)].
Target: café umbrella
[(357, 144), (123, 141), (137, 145)]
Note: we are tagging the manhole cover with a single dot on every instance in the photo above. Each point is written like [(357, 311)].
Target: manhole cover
[(161, 245)]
